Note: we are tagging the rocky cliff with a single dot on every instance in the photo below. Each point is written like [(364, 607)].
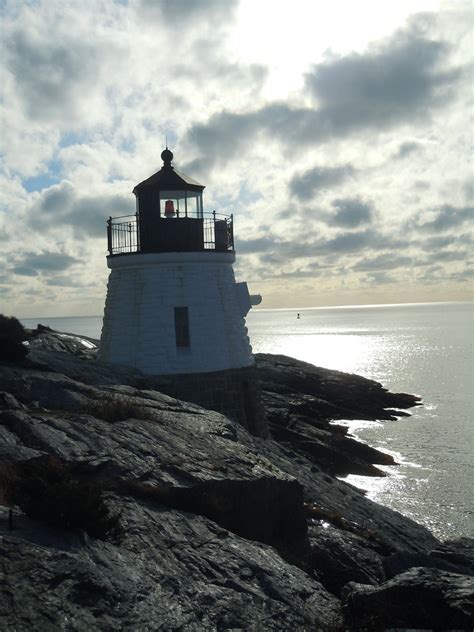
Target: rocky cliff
[(136, 511)]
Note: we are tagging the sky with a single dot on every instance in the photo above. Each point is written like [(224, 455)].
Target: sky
[(339, 134)]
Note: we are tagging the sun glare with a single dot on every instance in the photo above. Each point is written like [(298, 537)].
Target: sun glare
[(288, 37), (349, 353)]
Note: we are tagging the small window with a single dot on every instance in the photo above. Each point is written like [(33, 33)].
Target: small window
[(181, 326)]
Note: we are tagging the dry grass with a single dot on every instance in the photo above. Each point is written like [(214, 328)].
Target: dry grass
[(114, 407), (53, 491)]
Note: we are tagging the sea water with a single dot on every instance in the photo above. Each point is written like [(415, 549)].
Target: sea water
[(424, 349)]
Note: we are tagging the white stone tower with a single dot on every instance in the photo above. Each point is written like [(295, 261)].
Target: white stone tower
[(173, 307)]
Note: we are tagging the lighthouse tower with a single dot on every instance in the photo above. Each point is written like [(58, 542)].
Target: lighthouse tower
[(173, 308)]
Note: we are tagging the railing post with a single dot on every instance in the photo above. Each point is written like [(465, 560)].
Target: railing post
[(109, 235), (138, 232), (214, 228), (232, 230)]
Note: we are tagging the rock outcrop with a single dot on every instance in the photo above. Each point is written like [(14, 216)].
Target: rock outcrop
[(302, 400), (219, 530), (421, 598)]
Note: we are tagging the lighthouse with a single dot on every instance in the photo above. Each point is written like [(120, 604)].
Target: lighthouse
[(173, 308)]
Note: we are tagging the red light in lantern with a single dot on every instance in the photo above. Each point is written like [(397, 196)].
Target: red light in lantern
[(169, 208)]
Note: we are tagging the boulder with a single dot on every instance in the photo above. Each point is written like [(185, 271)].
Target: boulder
[(340, 556), (455, 556), (172, 571), (459, 553), (355, 397), (421, 598)]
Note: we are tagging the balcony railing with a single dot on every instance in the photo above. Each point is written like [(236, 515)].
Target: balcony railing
[(212, 231), (123, 234)]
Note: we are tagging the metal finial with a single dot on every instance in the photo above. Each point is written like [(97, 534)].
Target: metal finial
[(167, 157)]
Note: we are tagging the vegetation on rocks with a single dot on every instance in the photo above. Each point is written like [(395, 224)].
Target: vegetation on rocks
[(115, 407), (12, 336), (48, 489)]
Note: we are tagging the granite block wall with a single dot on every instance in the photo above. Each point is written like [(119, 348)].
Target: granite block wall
[(235, 393)]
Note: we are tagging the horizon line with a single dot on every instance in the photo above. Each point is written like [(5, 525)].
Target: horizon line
[(301, 309)]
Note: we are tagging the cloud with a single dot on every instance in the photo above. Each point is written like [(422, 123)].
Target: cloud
[(387, 261), (422, 185), (53, 74), (407, 148), (442, 219), (259, 244), (300, 273), (448, 255), (436, 243), (469, 190), (350, 242), (391, 82), (64, 281), (177, 13), (351, 212), (31, 263), (380, 278), (438, 274), (309, 183), (62, 206), (466, 274), (23, 270), (273, 249), (277, 251), (394, 82)]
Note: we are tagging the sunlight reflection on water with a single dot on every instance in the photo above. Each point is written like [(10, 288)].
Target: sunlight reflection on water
[(421, 349), (348, 352)]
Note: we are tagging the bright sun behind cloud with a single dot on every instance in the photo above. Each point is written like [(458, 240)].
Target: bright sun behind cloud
[(289, 36)]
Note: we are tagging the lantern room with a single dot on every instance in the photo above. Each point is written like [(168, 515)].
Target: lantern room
[(170, 217), (169, 193)]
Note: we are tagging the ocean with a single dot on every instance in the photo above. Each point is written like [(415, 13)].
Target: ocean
[(424, 349)]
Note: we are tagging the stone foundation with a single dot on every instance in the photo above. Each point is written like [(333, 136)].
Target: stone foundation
[(234, 393)]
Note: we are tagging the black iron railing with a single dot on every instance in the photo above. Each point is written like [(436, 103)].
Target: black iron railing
[(123, 233), (218, 231)]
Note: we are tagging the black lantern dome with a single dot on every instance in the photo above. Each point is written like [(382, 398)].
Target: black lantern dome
[(167, 180)]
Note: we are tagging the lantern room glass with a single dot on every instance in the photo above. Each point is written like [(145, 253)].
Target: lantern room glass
[(186, 203)]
